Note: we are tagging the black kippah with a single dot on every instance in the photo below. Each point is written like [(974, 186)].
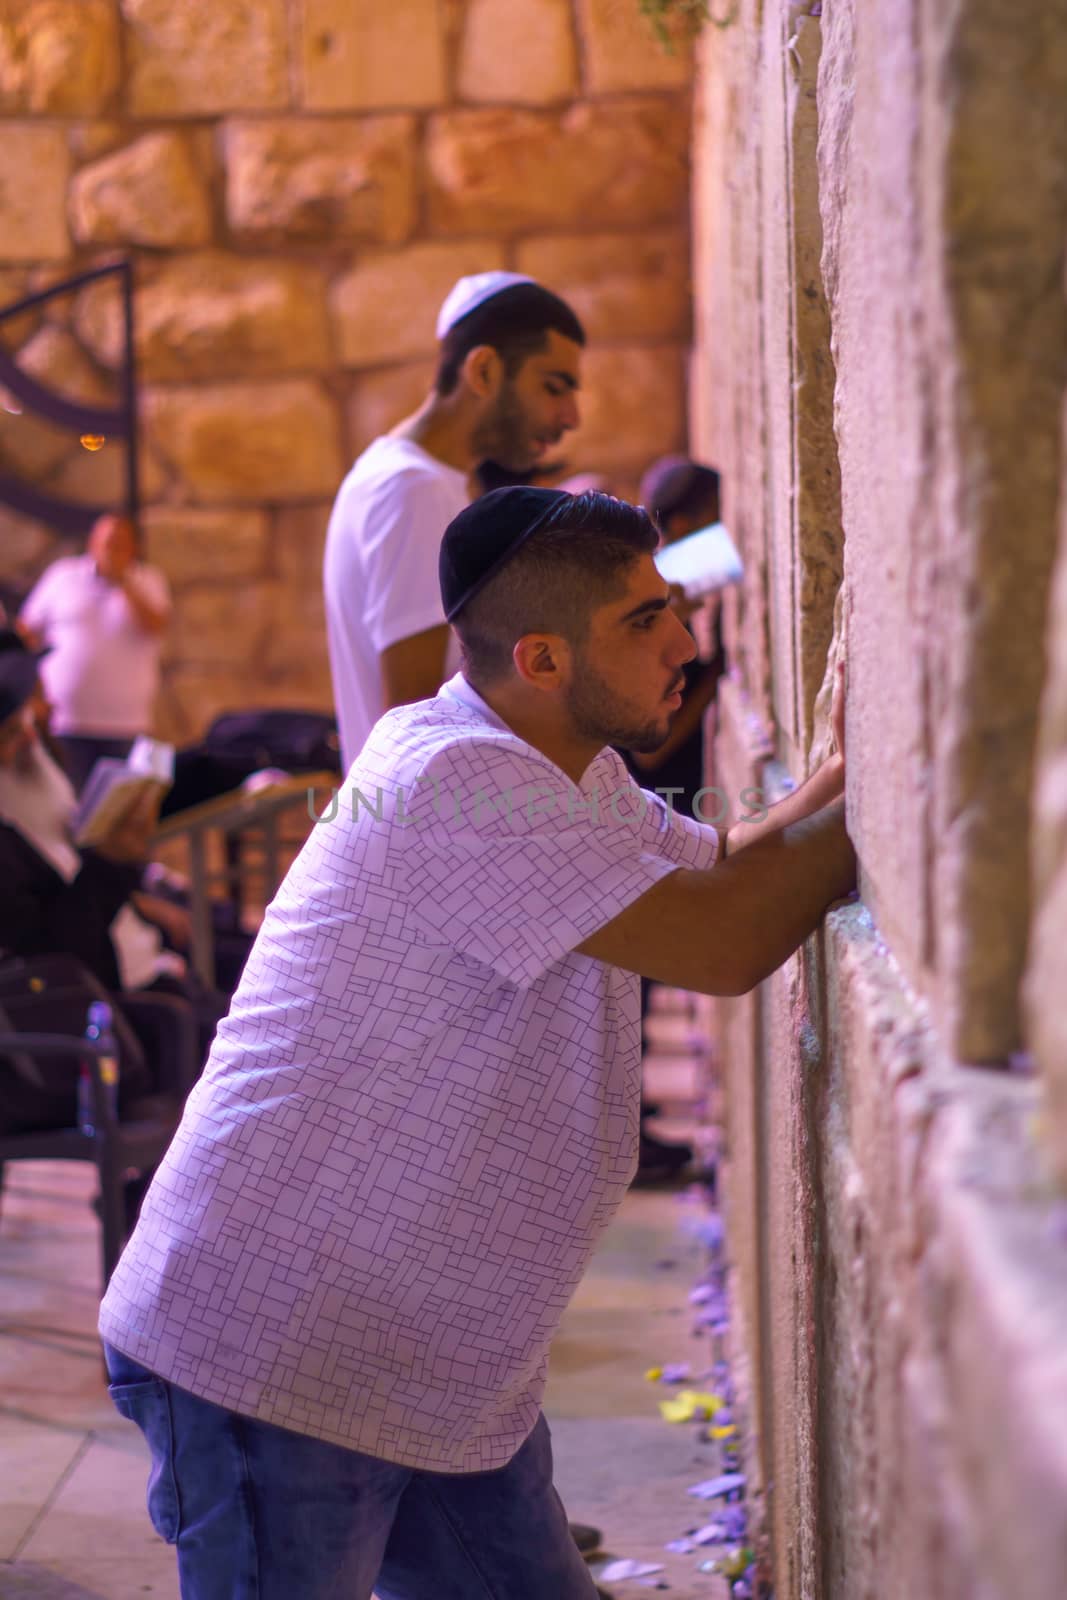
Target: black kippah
[(485, 536)]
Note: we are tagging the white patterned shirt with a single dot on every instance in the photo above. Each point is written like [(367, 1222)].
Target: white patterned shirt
[(422, 1110)]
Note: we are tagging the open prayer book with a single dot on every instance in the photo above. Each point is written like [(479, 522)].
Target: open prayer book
[(115, 786), (701, 562)]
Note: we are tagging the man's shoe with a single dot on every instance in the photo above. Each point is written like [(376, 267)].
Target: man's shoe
[(587, 1539)]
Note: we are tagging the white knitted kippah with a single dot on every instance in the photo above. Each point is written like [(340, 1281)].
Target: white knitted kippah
[(468, 293)]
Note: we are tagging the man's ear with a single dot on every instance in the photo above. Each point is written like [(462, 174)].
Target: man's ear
[(543, 660), (482, 370)]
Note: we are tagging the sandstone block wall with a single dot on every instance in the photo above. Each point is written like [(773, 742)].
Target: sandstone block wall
[(299, 183), (880, 222)]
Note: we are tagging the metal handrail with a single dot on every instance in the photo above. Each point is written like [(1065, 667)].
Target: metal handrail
[(228, 814)]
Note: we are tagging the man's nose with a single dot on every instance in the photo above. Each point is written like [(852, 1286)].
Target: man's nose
[(685, 646), (571, 415)]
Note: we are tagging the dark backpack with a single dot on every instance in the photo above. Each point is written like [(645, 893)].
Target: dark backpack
[(297, 741), (241, 742)]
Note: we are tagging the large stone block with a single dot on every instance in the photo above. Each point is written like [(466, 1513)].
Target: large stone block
[(14, 285), (1046, 976), (790, 1062), (946, 292), (203, 57), (805, 539), (34, 168), (386, 308), (32, 446), (518, 55), (57, 57), (381, 399), (632, 408), (873, 277), (251, 442), (299, 543), (227, 625), (150, 192), (871, 1108), (994, 1300), (90, 140), (998, 399), (739, 763), (359, 55), (728, 391), (215, 316), (297, 660), (331, 180), (26, 547), (622, 51), (602, 163), (193, 545), (621, 285)]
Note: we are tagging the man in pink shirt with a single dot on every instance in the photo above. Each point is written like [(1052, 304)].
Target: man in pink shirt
[(102, 616)]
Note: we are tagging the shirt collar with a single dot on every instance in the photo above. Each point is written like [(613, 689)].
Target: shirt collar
[(459, 689)]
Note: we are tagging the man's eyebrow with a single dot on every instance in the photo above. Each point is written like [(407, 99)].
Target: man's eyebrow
[(645, 607), (564, 377)]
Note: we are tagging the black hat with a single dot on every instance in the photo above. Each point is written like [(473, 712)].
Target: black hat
[(485, 536), (18, 673)]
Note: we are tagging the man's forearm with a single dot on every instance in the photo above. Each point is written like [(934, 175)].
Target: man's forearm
[(784, 885), (823, 787), (722, 930), (147, 612)]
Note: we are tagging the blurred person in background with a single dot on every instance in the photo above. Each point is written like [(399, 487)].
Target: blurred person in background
[(101, 616), (681, 496), (89, 904), (506, 385)]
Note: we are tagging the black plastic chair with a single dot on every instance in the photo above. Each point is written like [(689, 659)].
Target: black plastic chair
[(49, 1063)]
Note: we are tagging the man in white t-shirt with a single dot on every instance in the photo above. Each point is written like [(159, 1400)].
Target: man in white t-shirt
[(101, 616), (333, 1319), (505, 388)]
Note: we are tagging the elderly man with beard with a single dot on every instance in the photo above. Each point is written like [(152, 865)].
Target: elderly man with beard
[(505, 390), (333, 1320), (82, 908)]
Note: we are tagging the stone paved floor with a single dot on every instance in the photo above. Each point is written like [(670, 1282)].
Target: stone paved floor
[(72, 1473)]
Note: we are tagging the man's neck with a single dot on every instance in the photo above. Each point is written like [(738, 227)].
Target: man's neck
[(533, 726), (441, 427)]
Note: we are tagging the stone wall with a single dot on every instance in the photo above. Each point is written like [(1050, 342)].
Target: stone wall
[(880, 224), (299, 183)]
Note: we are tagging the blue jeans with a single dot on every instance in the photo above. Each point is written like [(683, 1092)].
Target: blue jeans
[(261, 1513)]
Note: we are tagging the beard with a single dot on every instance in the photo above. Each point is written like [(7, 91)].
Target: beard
[(599, 713), (504, 436)]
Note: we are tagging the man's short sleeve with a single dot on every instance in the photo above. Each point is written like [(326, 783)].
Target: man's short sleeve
[(513, 866), (402, 540)]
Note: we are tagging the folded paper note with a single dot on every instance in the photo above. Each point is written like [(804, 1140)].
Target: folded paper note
[(702, 562), (114, 787)]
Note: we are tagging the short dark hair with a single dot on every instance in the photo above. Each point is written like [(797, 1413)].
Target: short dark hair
[(677, 486), (516, 322), (577, 561)]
